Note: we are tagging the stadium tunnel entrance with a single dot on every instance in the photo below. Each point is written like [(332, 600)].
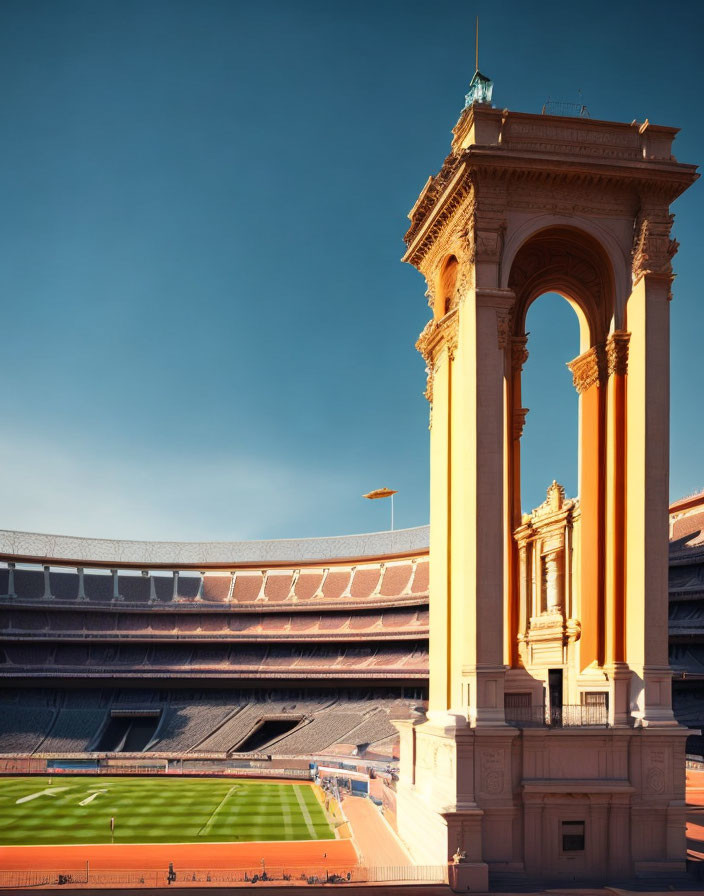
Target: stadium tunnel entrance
[(128, 732), (266, 732)]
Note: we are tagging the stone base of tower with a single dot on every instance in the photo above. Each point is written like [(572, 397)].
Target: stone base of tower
[(591, 805)]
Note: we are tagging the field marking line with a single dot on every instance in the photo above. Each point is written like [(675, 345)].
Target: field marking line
[(304, 810), (286, 814), (213, 815), (93, 795), (49, 791)]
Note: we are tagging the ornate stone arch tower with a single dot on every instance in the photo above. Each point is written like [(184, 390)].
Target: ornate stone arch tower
[(550, 745)]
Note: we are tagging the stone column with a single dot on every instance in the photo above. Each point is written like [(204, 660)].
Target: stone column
[(115, 585), (199, 595), (555, 581), (647, 466), (525, 590), (438, 345), (480, 536), (515, 585), (174, 593), (440, 659), (588, 376), (615, 547)]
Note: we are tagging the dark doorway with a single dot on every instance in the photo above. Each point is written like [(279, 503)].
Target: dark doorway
[(555, 696)]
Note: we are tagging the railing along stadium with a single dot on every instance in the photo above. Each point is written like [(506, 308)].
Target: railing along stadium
[(567, 716), (265, 873)]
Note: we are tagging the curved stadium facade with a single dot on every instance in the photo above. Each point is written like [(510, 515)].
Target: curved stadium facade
[(284, 649), (287, 648)]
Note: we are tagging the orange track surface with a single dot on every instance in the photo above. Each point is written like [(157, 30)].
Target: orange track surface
[(341, 855)]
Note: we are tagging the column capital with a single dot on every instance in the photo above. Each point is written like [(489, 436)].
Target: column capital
[(617, 353), (519, 421), (519, 353), (503, 301), (589, 368), (653, 248)]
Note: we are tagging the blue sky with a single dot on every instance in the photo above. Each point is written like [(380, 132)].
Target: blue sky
[(208, 331)]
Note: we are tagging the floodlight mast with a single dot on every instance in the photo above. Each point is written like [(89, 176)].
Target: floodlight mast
[(383, 493)]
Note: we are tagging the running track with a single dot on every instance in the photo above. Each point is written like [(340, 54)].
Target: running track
[(341, 855)]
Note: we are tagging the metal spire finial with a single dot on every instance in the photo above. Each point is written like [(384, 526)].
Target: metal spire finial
[(481, 87), (476, 31)]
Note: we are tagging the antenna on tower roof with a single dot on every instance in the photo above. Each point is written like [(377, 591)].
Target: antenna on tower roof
[(476, 31), (481, 87)]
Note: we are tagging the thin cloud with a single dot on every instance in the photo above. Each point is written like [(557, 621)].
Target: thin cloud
[(93, 490)]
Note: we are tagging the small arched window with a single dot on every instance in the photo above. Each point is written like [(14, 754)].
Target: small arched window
[(447, 284)]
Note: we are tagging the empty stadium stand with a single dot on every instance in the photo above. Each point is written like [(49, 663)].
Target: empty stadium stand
[(296, 658)]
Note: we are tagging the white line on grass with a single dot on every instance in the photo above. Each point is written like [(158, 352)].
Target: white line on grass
[(286, 816), (50, 791), (304, 809), (89, 799), (209, 823)]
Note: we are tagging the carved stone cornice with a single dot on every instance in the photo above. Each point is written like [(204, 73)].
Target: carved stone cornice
[(589, 368), (438, 212), (438, 334), (566, 167), (425, 343), (617, 354)]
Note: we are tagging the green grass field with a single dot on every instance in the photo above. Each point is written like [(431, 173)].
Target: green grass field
[(65, 810)]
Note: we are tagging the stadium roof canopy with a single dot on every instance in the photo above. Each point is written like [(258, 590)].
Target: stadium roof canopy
[(33, 547)]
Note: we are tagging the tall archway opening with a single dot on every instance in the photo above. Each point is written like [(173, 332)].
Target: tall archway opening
[(549, 440), (556, 555)]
